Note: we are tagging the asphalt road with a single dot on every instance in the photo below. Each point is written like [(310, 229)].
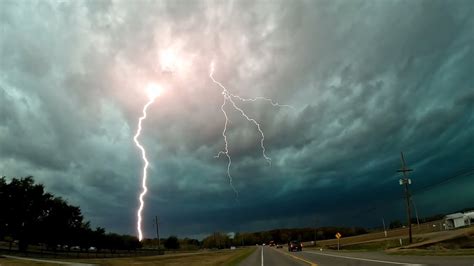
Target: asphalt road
[(272, 256)]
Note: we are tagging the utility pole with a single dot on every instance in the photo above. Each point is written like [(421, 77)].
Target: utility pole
[(157, 232), (315, 230), (384, 228), (406, 181)]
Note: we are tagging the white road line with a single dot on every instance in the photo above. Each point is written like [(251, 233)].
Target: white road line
[(48, 261), (262, 256), (354, 258)]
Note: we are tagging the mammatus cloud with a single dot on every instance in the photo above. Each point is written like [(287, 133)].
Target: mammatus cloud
[(367, 79)]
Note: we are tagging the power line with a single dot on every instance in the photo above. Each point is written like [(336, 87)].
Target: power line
[(430, 186), (380, 204)]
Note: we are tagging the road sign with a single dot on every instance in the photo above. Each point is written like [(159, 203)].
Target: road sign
[(338, 236)]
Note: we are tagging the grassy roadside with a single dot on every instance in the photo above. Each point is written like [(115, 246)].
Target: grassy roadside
[(377, 245), (462, 246), (235, 260), (213, 258), (459, 242), (13, 262), (425, 252), (380, 245)]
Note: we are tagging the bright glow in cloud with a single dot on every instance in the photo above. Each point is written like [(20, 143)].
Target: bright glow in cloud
[(169, 61), (153, 90)]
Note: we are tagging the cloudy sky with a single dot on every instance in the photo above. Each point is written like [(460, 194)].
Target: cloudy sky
[(367, 79)]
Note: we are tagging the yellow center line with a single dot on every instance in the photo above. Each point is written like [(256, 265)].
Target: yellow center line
[(298, 258)]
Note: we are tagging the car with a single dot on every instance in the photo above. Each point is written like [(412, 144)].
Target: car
[(92, 249), (295, 246), (279, 246), (272, 243)]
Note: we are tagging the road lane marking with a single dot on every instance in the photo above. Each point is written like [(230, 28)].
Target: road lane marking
[(371, 260), (262, 256), (298, 258), (48, 261)]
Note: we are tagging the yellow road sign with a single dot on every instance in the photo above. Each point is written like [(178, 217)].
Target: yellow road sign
[(338, 235)]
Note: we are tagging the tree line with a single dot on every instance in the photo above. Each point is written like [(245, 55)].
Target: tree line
[(30, 215), (280, 236), (220, 240)]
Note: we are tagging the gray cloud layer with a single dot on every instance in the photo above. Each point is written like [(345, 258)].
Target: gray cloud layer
[(367, 79)]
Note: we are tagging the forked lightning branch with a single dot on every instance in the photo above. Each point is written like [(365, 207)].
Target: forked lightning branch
[(229, 99)]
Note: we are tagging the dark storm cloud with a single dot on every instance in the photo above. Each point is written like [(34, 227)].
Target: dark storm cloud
[(367, 79)]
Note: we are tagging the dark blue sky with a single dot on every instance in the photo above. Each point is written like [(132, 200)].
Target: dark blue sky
[(367, 79)]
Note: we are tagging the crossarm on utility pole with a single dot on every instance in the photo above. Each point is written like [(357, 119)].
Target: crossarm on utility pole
[(406, 181)]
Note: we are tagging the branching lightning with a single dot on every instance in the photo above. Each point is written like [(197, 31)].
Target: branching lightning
[(229, 97), (153, 92)]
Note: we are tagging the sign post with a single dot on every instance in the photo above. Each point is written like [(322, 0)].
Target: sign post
[(338, 236)]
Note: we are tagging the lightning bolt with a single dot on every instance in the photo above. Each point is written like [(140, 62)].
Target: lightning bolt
[(229, 97), (145, 168)]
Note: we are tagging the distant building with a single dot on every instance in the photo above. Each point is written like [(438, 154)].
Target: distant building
[(469, 217), (459, 219), (454, 220)]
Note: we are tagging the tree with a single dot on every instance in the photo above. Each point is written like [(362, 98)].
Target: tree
[(217, 240), (395, 224), (22, 209), (63, 224), (98, 238), (189, 244), (31, 215), (172, 242)]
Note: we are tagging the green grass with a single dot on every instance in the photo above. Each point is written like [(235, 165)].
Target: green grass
[(459, 246), (428, 252), (201, 258), (243, 254), (462, 242), (377, 245)]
